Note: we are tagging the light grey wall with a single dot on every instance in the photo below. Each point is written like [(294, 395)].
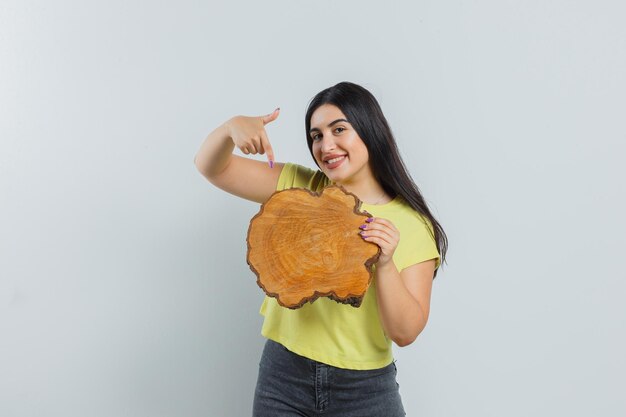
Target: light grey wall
[(124, 289)]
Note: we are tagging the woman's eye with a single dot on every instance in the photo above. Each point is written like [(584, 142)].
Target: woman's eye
[(314, 137), (342, 129)]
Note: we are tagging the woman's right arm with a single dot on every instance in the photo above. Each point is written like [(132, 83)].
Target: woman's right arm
[(247, 178)]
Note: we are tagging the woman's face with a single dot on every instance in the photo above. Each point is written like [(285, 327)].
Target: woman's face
[(337, 148)]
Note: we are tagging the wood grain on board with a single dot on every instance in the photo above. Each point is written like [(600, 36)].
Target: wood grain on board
[(304, 245)]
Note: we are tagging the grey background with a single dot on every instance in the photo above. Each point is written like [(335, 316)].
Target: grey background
[(124, 289)]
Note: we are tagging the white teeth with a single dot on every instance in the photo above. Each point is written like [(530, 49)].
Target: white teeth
[(330, 161)]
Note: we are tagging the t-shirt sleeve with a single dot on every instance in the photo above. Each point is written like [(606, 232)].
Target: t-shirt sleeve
[(294, 175), (418, 245)]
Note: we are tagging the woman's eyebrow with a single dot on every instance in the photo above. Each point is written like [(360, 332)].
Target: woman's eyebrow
[(313, 129)]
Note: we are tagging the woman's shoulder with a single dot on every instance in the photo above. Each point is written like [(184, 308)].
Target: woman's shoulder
[(409, 217), (295, 175)]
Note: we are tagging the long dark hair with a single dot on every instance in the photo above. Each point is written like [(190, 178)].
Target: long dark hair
[(364, 113)]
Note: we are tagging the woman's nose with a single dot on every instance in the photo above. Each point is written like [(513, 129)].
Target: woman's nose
[(328, 144)]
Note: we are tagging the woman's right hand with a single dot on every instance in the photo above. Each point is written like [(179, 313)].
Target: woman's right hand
[(249, 135)]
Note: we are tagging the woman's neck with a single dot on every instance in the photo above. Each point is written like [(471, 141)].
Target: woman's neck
[(369, 192)]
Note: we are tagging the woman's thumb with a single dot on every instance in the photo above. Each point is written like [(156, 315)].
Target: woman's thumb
[(271, 117)]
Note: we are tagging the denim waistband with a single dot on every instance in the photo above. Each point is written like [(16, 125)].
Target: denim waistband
[(287, 379)]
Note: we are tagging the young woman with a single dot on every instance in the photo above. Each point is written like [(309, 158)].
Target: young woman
[(327, 358)]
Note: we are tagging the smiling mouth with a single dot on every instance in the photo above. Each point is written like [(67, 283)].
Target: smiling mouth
[(335, 162), (332, 161)]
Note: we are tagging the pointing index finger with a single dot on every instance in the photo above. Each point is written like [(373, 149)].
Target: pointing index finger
[(268, 149)]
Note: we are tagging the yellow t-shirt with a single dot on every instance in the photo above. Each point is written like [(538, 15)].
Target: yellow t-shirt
[(339, 334)]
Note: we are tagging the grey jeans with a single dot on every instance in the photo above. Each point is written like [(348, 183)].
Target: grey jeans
[(292, 385)]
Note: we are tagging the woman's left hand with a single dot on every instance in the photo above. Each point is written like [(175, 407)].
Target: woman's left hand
[(384, 234)]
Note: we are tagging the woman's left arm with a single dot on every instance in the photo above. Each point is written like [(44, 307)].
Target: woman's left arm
[(403, 297)]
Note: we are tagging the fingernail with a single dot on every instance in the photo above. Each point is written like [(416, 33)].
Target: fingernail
[(363, 226), (271, 164), (369, 219)]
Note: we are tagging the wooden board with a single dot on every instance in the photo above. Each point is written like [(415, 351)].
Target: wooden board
[(304, 245)]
